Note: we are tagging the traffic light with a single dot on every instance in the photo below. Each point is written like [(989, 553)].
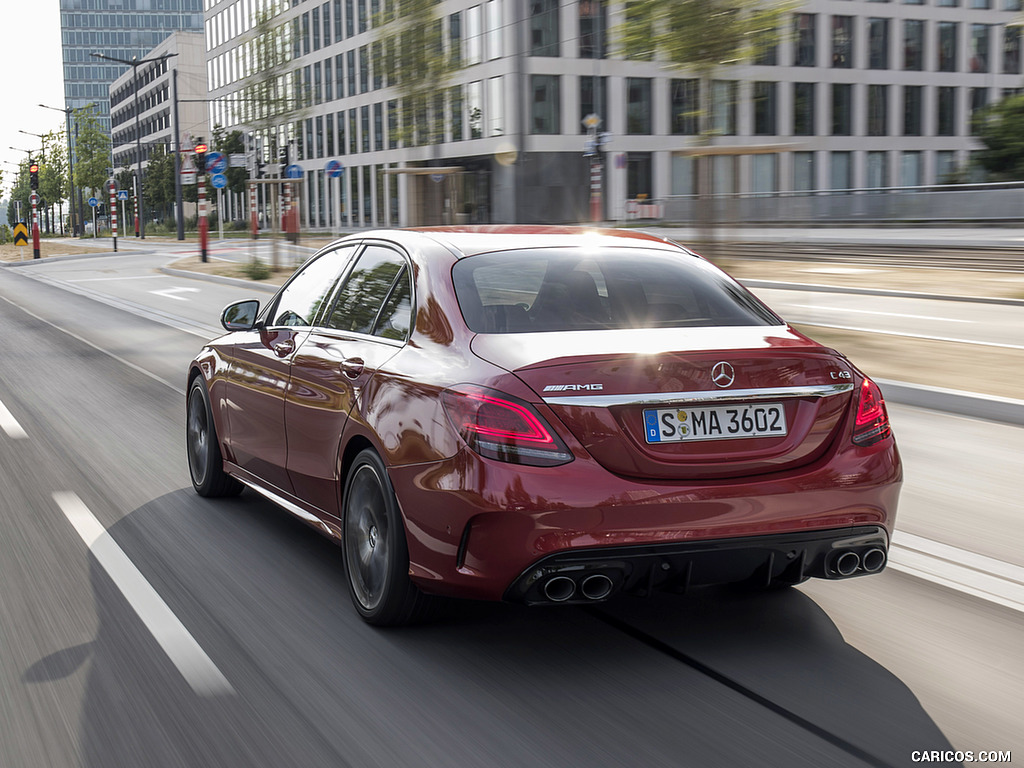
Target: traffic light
[(33, 176), (201, 157)]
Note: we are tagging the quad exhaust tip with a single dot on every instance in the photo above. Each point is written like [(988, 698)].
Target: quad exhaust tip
[(848, 562), (873, 560), (595, 587), (559, 589)]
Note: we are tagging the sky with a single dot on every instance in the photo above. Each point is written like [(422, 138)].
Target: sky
[(30, 60)]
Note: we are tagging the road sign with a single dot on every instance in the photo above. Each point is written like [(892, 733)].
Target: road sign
[(293, 171), (122, 194), (591, 121), (437, 178), (334, 169), (238, 160), (93, 202), (33, 199), (216, 162), (219, 180), (188, 177), (21, 233)]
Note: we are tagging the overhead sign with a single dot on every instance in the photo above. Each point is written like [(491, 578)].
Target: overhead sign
[(216, 162), (93, 202), (219, 180), (334, 168), (21, 233), (293, 171), (122, 194)]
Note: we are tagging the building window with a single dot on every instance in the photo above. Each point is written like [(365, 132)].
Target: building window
[(305, 34), (979, 100), (351, 58), (982, 5), (946, 105), (841, 171), (350, 19), (766, 48), (638, 105), (765, 109), (378, 126), (492, 17), (803, 109), (318, 85), (685, 107), (947, 45), (319, 136), (544, 28), (316, 29), (913, 45), (842, 42), (878, 110), (877, 170), (803, 51), (393, 124), (377, 64), (545, 115), (364, 124), (948, 3), (979, 47), (474, 36), (911, 169), (913, 108), (496, 107), (341, 132), (945, 166), (842, 109), (765, 173), (723, 107), (593, 99), (638, 175), (353, 144), (804, 176), (328, 81), (364, 69), (878, 43), (329, 130), (1013, 5), (1011, 50), (455, 114), (593, 29), (475, 109), (455, 39)]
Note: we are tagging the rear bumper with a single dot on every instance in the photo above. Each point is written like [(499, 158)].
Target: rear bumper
[(592, 575)]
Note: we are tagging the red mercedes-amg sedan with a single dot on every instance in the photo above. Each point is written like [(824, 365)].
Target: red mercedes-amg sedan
[(543, 415)]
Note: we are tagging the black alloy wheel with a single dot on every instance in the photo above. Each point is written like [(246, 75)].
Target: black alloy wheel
[(205, 464)]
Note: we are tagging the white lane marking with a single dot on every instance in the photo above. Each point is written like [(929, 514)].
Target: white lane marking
[(884, 314), (184, 652), (10, 425), (180, 390), (926, 337), (110, 279), (968, 572), (171, 293)]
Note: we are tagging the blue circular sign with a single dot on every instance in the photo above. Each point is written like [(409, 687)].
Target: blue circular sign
[(293, 171), (216, 162), (334, 169), (219, 180), (93, 202)]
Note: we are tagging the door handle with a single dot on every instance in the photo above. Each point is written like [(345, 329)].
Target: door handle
[(352, 367), (283, 348)]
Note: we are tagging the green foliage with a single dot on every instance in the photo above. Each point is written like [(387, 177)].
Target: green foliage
[(256, 270), (1001, 129), (411, 46), (5, 234), (92, 150), (158, 180), (229, 144)]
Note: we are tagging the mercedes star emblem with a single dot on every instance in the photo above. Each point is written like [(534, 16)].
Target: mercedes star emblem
[(723, 374)]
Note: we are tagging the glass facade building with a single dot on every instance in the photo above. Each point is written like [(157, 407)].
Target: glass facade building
[(117, 28)]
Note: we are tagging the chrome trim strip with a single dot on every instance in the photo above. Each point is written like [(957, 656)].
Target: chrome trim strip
[(712, 396), (288, 506)]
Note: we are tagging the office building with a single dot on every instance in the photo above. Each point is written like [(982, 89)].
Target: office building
[(855, 94)]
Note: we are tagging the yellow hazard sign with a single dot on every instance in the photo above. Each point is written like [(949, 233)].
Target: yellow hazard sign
[(21, 233)]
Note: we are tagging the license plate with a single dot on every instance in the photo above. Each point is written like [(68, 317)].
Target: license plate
[(719, 422)]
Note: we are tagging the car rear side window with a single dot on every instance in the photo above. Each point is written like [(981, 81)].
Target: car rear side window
[(570, 289), (374, 299), (306, 294)]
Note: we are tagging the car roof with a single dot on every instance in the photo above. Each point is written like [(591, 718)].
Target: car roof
[(470, 240)]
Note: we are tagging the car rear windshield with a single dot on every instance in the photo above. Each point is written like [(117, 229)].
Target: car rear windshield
[(575, 289)]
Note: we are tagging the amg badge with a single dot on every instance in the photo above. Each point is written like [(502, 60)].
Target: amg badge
[(573, 387)]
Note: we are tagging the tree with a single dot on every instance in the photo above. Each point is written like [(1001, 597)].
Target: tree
[(1001, 129), (230, 143), (701, 36), (92, 150), (158, 183), (411, 48), (53, 173)]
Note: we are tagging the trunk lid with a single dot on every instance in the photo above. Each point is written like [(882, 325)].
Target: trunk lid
[(695, 403)]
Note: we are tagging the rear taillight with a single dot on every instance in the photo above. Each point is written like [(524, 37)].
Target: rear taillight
[(872, 422), (500, 426)]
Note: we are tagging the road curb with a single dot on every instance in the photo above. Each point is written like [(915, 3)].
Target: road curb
[(1004, 410), (819, 288), (222, 279)]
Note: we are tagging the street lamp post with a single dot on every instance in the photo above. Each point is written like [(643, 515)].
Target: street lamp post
[(77, 226), (134, 64)]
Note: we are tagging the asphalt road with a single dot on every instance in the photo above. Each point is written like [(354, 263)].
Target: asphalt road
[(201, 633)]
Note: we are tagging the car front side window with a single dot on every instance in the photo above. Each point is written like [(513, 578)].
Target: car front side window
[(302, 300)]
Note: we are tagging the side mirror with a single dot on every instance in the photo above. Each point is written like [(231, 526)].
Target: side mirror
[(240, 316)]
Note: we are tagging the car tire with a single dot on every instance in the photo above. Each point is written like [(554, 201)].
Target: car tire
[(376, 555), (205, 463)]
